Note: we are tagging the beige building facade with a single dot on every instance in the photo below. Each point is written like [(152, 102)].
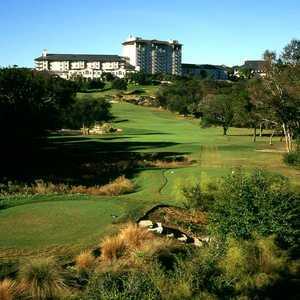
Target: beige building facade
[(153, 56), (86, 65)]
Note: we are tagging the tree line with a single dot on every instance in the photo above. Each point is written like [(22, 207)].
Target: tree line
[(270, 101)]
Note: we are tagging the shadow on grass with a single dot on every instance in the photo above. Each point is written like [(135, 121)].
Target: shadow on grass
[(80, 160)]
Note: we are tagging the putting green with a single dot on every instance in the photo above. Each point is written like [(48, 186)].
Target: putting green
[(56, 222)]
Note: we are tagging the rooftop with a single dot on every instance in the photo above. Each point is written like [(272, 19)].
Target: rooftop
[(80, 57), (131, 40)]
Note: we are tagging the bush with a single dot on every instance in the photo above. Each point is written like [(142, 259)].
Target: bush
[(41, 278), (119, 84), (119, 186), (85, 261), (197, 194), (293, 158), (257, 202), (126, 285), (134, 236), (112, 248), (8, 289)]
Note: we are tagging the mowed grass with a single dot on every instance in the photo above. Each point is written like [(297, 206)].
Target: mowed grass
[(80, 222), (57, 227), (144, 90)]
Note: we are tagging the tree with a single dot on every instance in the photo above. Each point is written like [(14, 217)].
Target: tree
[(280, 95), (140, 78), (87, 111), (119, 84), (245, 72), (87, 83), (106, 76), (95, 83), (31, 102), (217, 110), (182, 97), (291, 52)]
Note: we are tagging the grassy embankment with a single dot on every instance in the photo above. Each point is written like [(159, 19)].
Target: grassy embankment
[(63, 224)]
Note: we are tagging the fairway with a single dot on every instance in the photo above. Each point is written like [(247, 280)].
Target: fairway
[(46, 223), (80, 222)]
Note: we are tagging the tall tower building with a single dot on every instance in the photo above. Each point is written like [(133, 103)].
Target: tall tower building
[(153, 56)]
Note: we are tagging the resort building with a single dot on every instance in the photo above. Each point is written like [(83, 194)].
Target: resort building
[(86, 65), (153, 56), (217, 72), (254, 65)]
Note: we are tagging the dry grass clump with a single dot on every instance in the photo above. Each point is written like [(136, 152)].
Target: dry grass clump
[(133, 244), (170, 162), (8, 289), (112, 248), (159, 247), (120, 186), (134, 236), (41, 278), (42, 187), (85, 261)]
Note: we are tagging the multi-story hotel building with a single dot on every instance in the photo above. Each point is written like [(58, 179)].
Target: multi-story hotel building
[(153, 56), (86, 65)]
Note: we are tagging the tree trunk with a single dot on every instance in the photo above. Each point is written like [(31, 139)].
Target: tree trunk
[(271, 136), (260, 129), (287, 137), (84, 130), (225, 130), (254, 134)]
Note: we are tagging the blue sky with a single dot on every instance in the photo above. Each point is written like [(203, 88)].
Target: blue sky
[(212, 31)]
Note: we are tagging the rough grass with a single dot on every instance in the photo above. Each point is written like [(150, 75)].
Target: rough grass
[(134, 236), (8, 289), (41, 278), (119, 186), (112, 248), (85, 260)]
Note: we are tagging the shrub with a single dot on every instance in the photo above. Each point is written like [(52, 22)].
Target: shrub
[(134, 236), (119, 84), (125, 285), (41, 278), (85, 261), (197, 194), (293, 158), (120, 186), (254, 267), (257, 202), (112, 248), (8, 289)]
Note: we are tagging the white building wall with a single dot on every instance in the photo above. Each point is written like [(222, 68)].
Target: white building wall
[(131, 52)]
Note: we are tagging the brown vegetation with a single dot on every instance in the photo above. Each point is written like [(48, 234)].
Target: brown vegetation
[(119, 186), (8, 289), (41, 278), (84, 261)]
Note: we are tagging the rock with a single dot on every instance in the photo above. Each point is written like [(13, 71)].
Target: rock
[(183, 238), (145, 224), (197, 242), (206, 239), (157, 227)]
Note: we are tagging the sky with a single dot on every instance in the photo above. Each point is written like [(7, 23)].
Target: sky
[(211, 31)]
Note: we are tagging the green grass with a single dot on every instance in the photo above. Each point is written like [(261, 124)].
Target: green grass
[(60, 224), (145, 90)]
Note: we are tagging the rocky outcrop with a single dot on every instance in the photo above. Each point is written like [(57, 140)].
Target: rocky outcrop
[(174, 233)]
